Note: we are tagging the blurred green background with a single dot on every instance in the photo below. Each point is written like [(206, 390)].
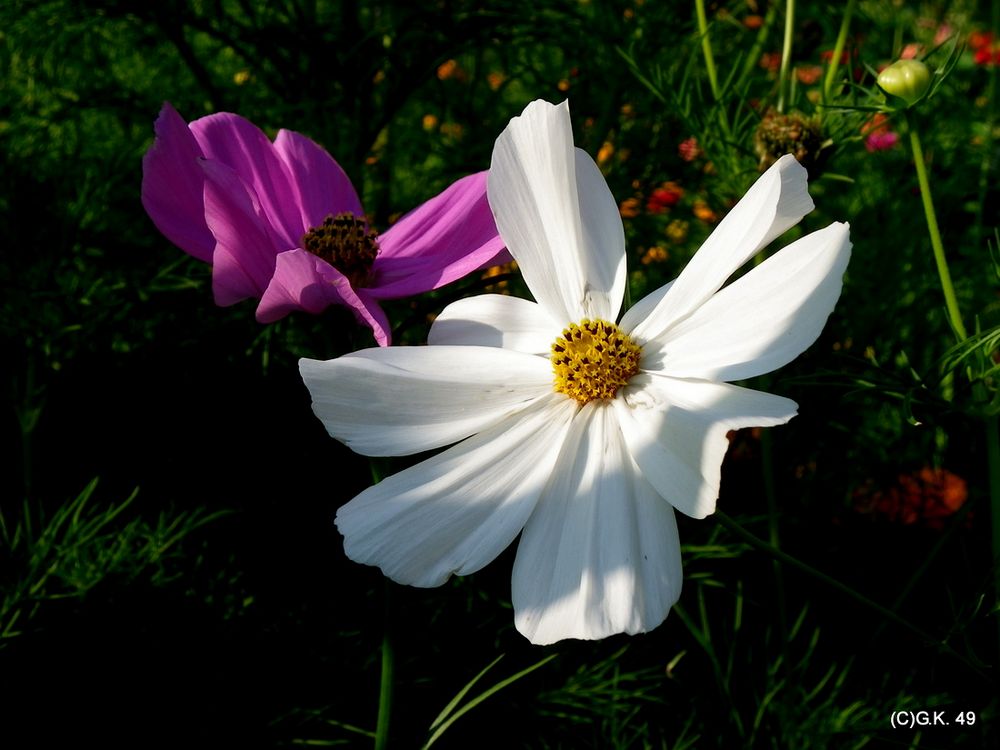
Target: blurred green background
[(169, 567)]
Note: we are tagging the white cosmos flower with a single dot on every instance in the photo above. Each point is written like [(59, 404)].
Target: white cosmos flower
[(580, 435)]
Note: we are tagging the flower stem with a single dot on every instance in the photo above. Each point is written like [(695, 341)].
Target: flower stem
[(838, 49), (706, 49), (784, 76), (935, 234), (388, 671)]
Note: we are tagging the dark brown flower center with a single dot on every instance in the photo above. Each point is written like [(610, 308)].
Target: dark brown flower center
[(346, 243)]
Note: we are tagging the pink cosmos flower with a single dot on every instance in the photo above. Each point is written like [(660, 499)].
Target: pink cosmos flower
[(281, 222)]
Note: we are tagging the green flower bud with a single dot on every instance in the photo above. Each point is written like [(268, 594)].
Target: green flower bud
[(907, 79)]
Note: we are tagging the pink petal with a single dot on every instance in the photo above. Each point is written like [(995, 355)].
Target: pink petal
[(302, 281), (172, 186), (243, 262), (322, 187), (243, 147), (446, 238)]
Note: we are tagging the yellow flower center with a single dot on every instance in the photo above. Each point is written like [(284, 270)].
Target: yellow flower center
[(346, 243), (593, 359)]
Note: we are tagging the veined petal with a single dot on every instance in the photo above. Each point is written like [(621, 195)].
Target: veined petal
[(243, 147), (243, 261), (764, 319), (303, 281), (600, 554), (401, 400), (557, 216), (641, 309), (676, 432), (496, 320), (777, 201), (320, 186), (442, 240), (172, 186), (455, 512)]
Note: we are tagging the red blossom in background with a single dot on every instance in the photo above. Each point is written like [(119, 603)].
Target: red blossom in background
[(927, 497), (689, 150), (984, 50), (666, 196)]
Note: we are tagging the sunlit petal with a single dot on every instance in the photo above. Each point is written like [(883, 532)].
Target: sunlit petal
[(321, 186), (763, 320), (540, 188), (455, 512), (600, 554), (496, 320), (401, 400), (777, 201), (676, 432)]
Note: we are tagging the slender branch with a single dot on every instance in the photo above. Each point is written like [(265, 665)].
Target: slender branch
[(706, 49), (784, 75), (838, 49), (951, 301), (388, 674)]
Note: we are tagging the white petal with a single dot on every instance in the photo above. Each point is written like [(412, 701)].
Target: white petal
[(456, 511), (557, 216), (641, 309), (778, 200), (496, 320), (676, 432), (764, 319), (600, 555), (398, 400)]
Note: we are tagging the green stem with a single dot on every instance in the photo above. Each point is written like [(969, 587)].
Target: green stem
[(706, 49), (838, 49), (843, 588), (387, 678), (932, 229), (784, 76)]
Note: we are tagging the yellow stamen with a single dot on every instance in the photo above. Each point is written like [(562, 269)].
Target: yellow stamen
[(593, 359)]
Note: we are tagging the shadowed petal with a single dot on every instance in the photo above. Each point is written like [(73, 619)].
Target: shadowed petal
[(557, 216), (763, 320), (778, 200), (444, 239), (402, 400), (676, 432), (243, 261), (172, 186), (243, 147), (496, 320), (600, 554), (301, 281), (457, 511), (321, 187)]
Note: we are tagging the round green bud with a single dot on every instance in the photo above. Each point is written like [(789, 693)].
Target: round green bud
[(907, 79)]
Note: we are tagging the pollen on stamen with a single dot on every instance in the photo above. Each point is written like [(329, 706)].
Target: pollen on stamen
[(593, 360), (347, 243)]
